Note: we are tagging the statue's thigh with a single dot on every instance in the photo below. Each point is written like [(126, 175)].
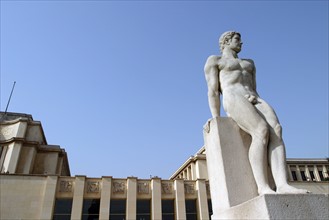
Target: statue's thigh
[(268, 113), (244, 114)]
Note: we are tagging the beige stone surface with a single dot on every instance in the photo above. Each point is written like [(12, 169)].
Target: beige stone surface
[(156, 198), (104, 211), (79, 186), (276, 206), (202, 199), (35, 133), (21, 197), (314, 187), (46, 163), (180, 199), (49, 198), (201, 168), (12, 155), (26, 161), (131, 198), (15, 128)]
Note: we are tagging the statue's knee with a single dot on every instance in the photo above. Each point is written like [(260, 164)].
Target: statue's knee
[(262, 131)]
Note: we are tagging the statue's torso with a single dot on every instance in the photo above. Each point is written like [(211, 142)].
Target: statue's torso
[(236, 75)]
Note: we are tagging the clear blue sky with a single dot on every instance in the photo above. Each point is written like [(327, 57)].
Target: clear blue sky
[(120, 85)]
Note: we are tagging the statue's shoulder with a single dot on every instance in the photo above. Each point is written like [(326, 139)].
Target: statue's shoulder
[(211, 63), (213, 60), (249, 60)]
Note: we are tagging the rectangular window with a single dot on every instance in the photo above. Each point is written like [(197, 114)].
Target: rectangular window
[(321, 175), (294, 175), (143, 209), (168, 209), (118, 209), (320, 172), (312, 175), (90, 209), (210, 208), (62, 210), (191, 211), (302, 173)]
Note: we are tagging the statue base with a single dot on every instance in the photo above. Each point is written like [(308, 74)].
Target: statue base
[(230, 176), (232, 185), (280, 206)]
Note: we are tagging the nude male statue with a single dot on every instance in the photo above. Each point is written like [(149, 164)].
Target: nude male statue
[(234, 78)]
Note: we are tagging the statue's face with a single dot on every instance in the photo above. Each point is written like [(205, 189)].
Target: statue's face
[(235, 43)]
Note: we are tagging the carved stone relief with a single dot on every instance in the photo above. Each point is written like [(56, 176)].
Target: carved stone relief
[(166, 188), (119, 187), (143, 188), (65, 186), (189, 188), (93, 187)]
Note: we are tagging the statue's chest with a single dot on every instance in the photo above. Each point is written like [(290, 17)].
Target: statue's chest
[(237, 64)]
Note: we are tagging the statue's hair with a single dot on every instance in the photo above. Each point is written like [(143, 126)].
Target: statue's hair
[(226, 36)]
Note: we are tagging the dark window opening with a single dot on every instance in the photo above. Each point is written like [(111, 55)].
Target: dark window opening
[(303, 175), (90, 209), (312, 175), (62, 209), (118, 209), (191, 211), (294, 175), (321, 175), (143, 209), (168, 209)]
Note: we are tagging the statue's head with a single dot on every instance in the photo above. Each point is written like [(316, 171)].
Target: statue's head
[(226, 36)]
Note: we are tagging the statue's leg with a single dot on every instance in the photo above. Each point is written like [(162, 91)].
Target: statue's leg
[(249, 119), (276, 151)]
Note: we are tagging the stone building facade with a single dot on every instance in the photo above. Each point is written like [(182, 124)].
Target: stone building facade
[(35, 183), (24, 148)]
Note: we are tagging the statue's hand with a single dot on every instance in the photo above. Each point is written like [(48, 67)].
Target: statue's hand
[(251, 98)]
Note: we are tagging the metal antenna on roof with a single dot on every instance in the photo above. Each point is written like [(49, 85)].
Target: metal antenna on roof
[(11, 93)]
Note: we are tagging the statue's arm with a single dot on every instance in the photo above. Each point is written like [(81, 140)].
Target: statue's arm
[(254, 77), (211, 71)]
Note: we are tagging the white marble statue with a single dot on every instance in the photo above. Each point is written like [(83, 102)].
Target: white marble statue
[(234, 79)]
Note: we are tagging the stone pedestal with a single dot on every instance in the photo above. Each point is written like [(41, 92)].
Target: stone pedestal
[(233, 188), (276, 206), (229, 171)]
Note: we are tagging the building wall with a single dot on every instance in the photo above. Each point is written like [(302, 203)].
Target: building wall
[(33, 197), (21, 196)]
